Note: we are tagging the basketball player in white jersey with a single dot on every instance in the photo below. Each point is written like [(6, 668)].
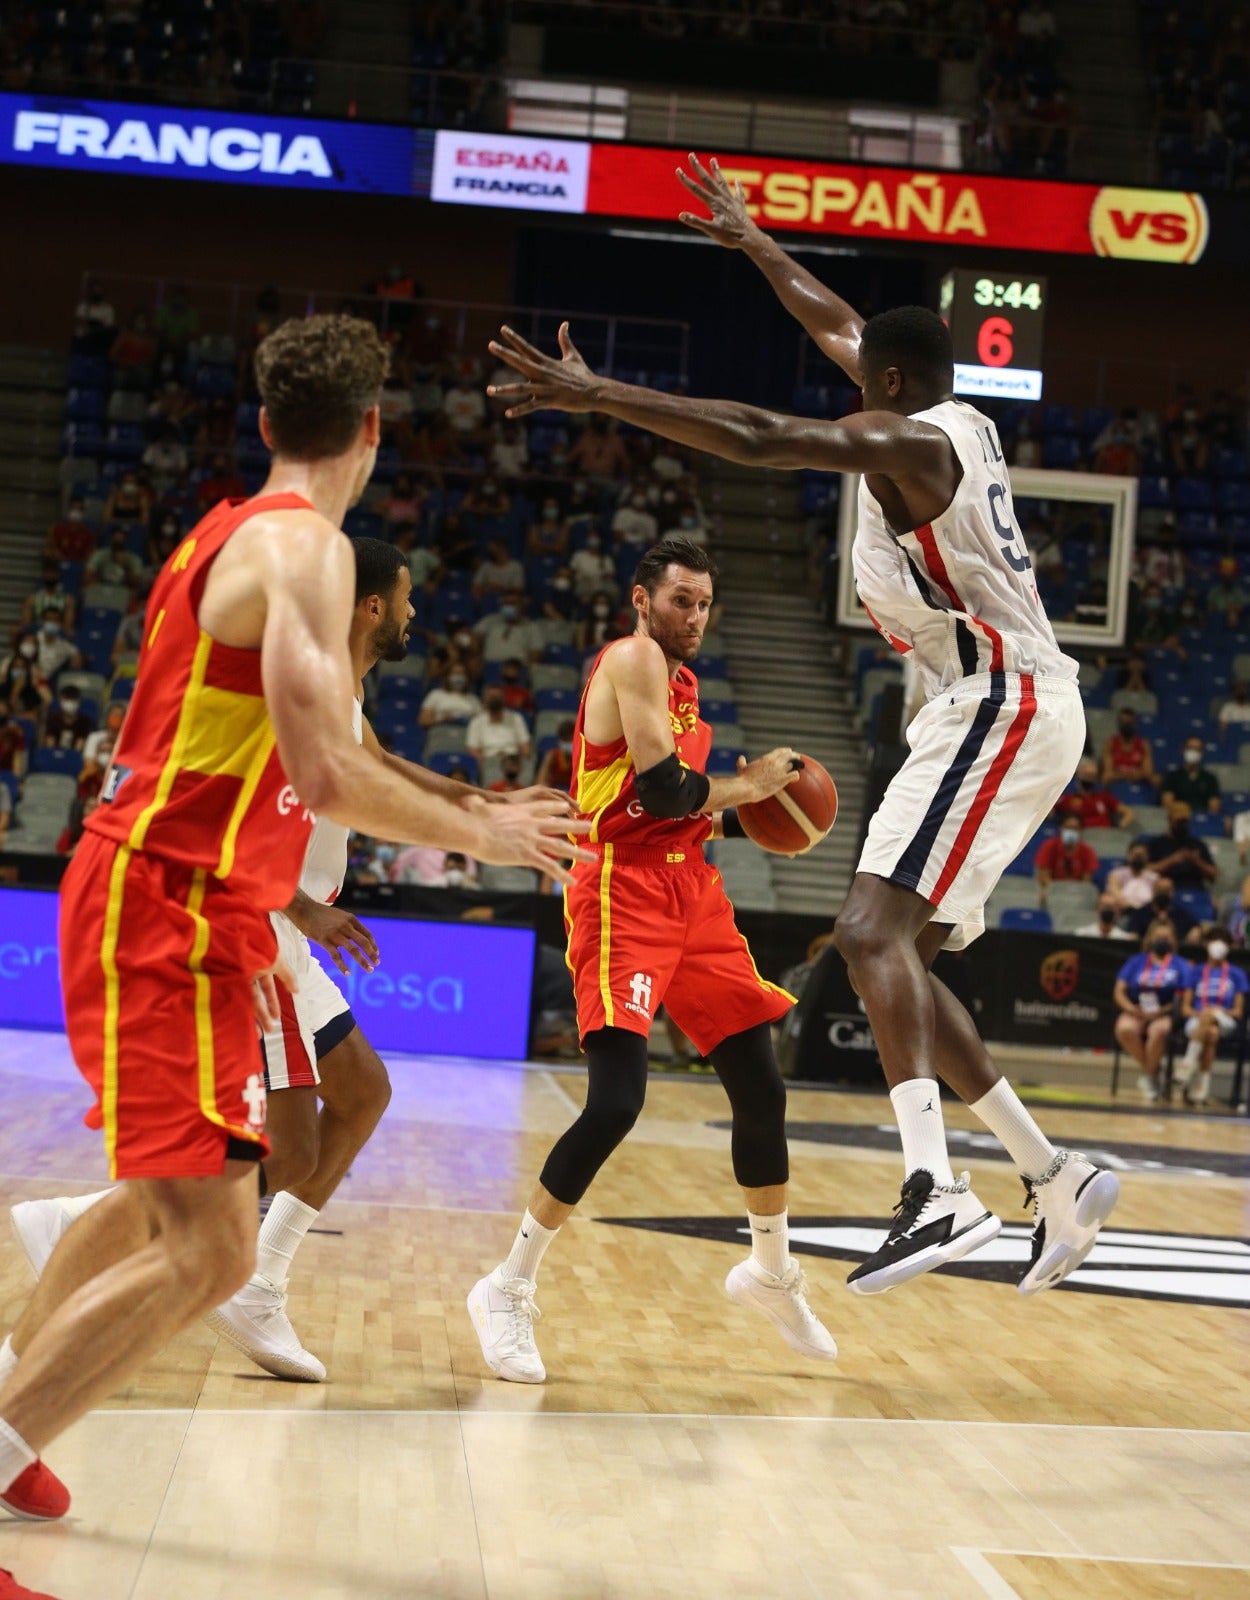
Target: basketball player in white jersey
[(943, 572), (317, 1052)]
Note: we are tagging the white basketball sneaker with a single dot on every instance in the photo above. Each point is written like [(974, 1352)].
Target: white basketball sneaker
[(783, 1301), (933, 1223), (38, 1226), (502, 1312), (255, 1321), (1073, 1198)]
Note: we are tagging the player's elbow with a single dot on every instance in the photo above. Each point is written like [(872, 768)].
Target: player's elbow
[(317, 780)]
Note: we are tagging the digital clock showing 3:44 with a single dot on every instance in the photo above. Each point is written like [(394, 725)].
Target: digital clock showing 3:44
[(997, 322)]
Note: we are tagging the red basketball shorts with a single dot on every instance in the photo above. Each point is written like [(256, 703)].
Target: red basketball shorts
[(156, 969), (645, 930)]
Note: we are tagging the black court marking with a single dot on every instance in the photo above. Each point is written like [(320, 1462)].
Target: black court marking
[(1116, 1154), (1189, 1269)]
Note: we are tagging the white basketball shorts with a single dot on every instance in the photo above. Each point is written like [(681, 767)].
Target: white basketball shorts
[(989, 759), (1227, 1024), (291, 1050)]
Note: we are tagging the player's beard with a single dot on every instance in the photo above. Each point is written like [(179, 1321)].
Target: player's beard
[(390, 642), (675, 645)]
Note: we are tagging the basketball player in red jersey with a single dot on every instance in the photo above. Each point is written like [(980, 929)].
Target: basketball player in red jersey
[(240, 730), (941, 568), (648, 922)]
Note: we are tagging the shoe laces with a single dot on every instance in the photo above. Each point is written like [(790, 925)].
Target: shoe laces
[(794, 1280), (522, 1309)]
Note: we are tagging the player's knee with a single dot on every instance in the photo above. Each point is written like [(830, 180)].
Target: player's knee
[(210, 1261), (612, 1121), (858, 936)]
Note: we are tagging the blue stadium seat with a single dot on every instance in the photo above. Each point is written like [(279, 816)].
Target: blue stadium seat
[(1058, 420), (811, 400), (362, 524), (1154, 494), (1229, 463), (1062, 453), (444, 760), (410, 742), (88, 372), (1094, 419), (1234, 498), (723, 763), (66, 762), (1025, 919), (1194, 494), (12, 783), (398, 686), (709, 667), (1135, 794), (1198, 903), (718, 711), (557, 700), (84, 405), (1205, 825), (561, 655)]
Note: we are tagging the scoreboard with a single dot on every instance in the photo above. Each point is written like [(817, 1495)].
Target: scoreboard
[(996, 321)]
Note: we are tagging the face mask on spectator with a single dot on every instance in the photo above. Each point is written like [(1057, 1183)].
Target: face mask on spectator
[(494, 702), (511, 773), (562, 584), (69, 704), (509, 613), (454, 878), (385, 854), (603, 609), (464, 638), (688, 520), (1154, 602), (1192, 757), (75, 513), (1070, 836), (488, 486), (1162, 900), (1217, 950), (1138, 863), (52, 629), (550, 512), (566, 747), (105, 754), (28, 648), (1161, 946), (1106, 916), (1128, 727), (1180, 828), (558, 458), (639, 502), (457, 682)]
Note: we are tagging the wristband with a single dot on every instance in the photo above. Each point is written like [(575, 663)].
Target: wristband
[(731, 824)]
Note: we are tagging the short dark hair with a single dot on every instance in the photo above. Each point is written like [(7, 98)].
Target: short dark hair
[(378, 566), (672, 551), (317, 377), (913, 339)]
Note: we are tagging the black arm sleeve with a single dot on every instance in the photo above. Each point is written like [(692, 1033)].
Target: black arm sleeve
[(670, 790)]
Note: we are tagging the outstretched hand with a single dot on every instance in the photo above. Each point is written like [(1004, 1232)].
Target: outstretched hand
[(564, 385), (729, 223)]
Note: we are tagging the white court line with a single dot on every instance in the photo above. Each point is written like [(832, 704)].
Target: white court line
[(1147, 1561), (987, 1579), (562, 1093), (471, 1412)]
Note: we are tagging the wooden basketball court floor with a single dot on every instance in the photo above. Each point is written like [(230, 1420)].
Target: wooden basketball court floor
[(967, 1442)]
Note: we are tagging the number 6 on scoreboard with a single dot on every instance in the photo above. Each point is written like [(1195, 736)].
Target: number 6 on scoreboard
[(994, 342)]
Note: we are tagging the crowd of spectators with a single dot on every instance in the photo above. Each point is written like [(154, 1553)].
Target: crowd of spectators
[(520, 539), (1198, 59), (1025, 125)]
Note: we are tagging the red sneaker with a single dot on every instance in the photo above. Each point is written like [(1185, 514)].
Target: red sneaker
[(35, 1495), (11, 1589)]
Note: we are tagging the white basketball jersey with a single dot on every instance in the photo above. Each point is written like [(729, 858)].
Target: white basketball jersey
[(325, 860), (958, 594)]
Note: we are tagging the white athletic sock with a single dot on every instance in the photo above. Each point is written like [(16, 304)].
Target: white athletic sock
[(528, 1249), (1202, 1085), (770, 1241), (8, 1359), (76, 1204), (15, 1455), (1193, 1054), (1006, 1118), (281, 1235), (918, 1108)]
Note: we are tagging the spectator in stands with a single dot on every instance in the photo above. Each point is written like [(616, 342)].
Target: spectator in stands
[(464, 406), (513, 680), (71, 537), (66, 725), (559, 600), (634, 525), (1163, 906), (1133, 885), (49, 596), (173, 404), (105, 737), (510, 452), (1066, 858), (1235, 712), (548, 536), (603, 624), (1106, 923), (215, 436), (1026, 448), (427, 393), (496, 731), (454, 545), (177, 321), (593, 570), (487, 499), (691, 523), (1192, 783), (432, 868), (507, 632), (555, 770), (164, 532), (395, 406), (1146, 988), (1126, 756), (165, 460), (599, 451), (6, 811), (1213, 1003), (221, 483), (97, 312), (1117, 449), (53, 651), (499, 572), (23, 688), (509, 780), (1179, 855), (12, 743), (1189, 448), (1134, 673), (114, 564), (128, 640), (461, 648), (1226, 597), (130, 501), (1092, 803), (451, 701), (1159, 621), (423, 563), (135, 346)]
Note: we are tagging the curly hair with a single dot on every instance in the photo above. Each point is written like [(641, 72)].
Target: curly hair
[(317, 377)]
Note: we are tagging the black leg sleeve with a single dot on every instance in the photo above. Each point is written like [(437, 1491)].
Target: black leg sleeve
[(747, 1067), (616, 1061)]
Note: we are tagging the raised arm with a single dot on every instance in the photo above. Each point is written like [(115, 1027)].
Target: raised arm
[(870, 441), (834, 325)]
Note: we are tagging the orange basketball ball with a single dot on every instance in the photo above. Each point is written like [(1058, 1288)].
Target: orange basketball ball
[(791, 822)]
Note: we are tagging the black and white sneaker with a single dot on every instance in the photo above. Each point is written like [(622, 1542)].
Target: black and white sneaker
[(933, 1223), (1073, 1198)]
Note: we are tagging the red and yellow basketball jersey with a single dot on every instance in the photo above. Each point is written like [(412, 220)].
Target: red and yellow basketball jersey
[(196, 778), (603, 785)]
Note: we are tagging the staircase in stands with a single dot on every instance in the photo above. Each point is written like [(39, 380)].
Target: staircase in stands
[(784, 666)]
